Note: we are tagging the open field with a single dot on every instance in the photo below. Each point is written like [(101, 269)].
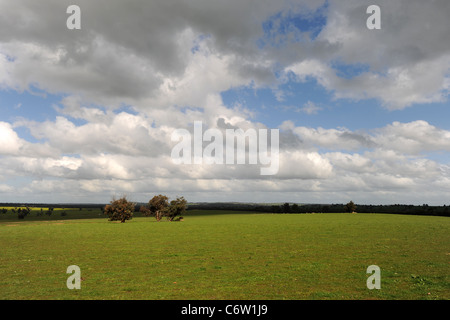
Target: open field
[(220, 255)]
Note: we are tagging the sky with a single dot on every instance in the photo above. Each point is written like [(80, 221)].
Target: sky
[(88, 114)]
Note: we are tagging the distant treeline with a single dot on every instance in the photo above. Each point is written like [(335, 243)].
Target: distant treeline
[(53, 205), (424, 209), (325, 208)]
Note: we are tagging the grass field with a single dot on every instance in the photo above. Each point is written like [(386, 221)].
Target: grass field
[(225, 256)]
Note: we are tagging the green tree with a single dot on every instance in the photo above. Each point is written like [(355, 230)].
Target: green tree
[(158, 206), (350, 207), (145, 211), (176, 208), (119, 210), (23, 212), (49, 211)]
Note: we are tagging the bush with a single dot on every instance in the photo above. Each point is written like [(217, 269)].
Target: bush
[(119, 210)]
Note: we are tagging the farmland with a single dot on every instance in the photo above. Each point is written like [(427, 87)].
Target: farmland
[(225, 255)]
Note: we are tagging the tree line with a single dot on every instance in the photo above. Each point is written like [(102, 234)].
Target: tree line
[(22, 212), (160, 206), (293, 208), (424, 209)]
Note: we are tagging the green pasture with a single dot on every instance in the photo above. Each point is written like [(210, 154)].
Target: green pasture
[(225, 255)]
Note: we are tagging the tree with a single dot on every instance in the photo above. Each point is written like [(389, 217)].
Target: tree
[(49, 211), (158, 206), (23, 212), (119, 210), (276, 209), (350, 207), (177, 208), (145, 211)]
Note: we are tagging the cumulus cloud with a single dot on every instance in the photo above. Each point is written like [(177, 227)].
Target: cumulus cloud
[(10, 143), (398, 87), (414, 137), (340, 138), (160, 54), (134, 53), (407, 61), (364, 161)]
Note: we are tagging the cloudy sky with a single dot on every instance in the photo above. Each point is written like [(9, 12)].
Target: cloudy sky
[(88, 114)]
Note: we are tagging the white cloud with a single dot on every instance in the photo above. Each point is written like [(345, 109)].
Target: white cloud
[(364, 162), (408, 60), (10, 143), (303, 165), (414, 137), (333, 139), (161, 55)]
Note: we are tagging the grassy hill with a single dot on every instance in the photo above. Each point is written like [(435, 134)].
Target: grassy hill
[(219, 255)]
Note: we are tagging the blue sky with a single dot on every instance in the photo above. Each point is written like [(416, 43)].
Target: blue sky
[(303, 26), (88, 114), (354, 115)]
